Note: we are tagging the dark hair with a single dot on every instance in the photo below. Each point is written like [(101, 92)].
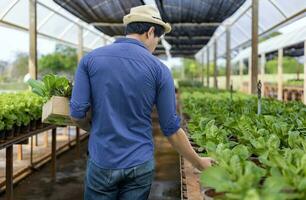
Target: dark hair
[(142, 27)]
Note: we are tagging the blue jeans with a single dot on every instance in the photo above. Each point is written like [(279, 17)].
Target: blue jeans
[(123, 184)]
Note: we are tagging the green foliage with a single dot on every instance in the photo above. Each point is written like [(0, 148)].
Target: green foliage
[(290, 66), (259, 156), (51, 85), (64, 59), (20, 65), (19, 109)]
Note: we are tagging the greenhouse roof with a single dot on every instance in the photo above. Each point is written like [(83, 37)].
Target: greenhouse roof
[(53, 22), (193, 22), (272, 15), (286, 40)]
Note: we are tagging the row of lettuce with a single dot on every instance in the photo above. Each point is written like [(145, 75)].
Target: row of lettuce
[(19, 109), (259, 156)]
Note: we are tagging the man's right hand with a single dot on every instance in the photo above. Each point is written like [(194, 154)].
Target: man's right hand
[(204, 163)]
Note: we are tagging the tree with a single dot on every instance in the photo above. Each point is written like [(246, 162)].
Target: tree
[(20, 65), (63, 60), (290, 66)]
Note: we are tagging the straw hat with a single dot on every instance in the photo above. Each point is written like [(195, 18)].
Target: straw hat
[(146, 13)]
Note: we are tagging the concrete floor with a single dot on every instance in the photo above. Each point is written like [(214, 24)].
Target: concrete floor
[(71, 171)]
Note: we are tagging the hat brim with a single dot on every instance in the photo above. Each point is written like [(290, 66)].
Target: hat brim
[(143, 18)]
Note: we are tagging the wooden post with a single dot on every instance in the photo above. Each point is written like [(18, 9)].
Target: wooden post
[(202, 70), (78, 142), (215, 65), (280, 75), (207, 66), (9, 173), (304, 94), (250, 74), (80, 43), (262, 71), (228, 57), (31, 151), (241, 71), (254, 71), (53, 155), (33, 39), (19, 152)]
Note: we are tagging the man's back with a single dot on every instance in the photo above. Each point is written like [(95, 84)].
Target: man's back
[(124, 82)]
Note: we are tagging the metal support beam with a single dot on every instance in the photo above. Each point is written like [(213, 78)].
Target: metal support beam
[(8, 8), (53, 155), (262, 72), (9, 173), (280, 75), (33, 39), (207, 65), (254, 71), (186, 37), (228, 58), (215, 65), (80, 43), (210, 24)]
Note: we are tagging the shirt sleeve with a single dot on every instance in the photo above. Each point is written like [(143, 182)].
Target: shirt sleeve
[(80, 99), (166, 103)]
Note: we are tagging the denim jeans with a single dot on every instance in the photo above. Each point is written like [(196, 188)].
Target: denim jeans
[(123, 184)]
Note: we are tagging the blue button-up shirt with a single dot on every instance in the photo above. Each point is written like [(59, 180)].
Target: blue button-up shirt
[(122, 82)]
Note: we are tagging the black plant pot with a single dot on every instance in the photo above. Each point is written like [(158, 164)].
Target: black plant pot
[(10, 133), (39, 124), (33, 125), (17, 131), (2, 135), (25, 129)]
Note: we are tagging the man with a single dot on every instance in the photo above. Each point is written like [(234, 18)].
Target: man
[(121, 83)]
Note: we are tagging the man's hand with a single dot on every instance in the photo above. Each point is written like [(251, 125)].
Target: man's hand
[(204, 163)]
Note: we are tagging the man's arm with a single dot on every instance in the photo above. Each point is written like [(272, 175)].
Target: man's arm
[(80, 112), (181, 144), (170, 122)]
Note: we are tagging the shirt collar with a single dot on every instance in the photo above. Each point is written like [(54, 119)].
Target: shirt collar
[(130, 40)]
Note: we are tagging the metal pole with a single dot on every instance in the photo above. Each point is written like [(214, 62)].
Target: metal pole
[(9, 173), (280, 75), (215, 65), (254, 71), (31, 152), (228, 57), (208, 66), (304, 72), (33, 39), (262, 70), (53, 155), (202, 70)]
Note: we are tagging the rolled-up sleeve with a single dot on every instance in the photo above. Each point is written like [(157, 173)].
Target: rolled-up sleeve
[(166, 103), (80, 99)]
